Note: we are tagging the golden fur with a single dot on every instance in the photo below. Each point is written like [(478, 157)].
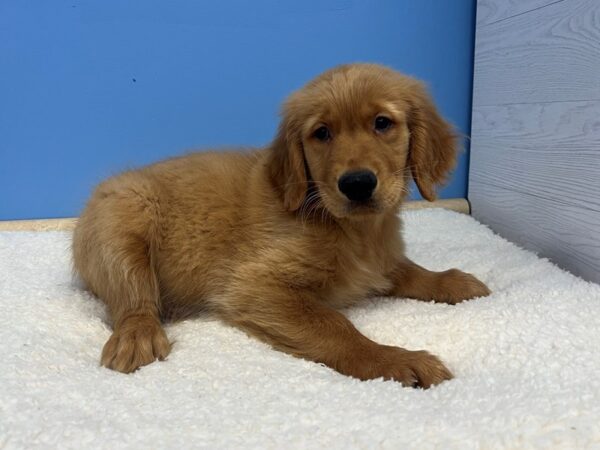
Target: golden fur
[(266, 240)]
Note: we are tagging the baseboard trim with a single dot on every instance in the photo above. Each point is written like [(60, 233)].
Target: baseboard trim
[(455, 204), (38, 224), (460, 205)]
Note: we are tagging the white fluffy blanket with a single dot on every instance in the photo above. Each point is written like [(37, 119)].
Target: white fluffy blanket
[(526, 361)]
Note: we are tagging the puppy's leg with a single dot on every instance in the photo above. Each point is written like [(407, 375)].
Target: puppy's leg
[(138, 337), (452, 286), (294, 322), (113, 247)]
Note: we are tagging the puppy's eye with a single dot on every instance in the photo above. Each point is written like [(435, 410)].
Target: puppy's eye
[(322, 134), (382, 123)]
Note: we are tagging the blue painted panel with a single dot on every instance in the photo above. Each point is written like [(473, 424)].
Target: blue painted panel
[(89, 88)]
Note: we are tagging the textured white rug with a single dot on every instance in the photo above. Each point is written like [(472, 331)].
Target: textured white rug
[(526, 361)]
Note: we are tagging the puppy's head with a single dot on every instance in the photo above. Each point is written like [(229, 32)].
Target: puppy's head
[(353, 137)]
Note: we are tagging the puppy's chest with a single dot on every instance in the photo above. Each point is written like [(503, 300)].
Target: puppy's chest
[(358, 272)]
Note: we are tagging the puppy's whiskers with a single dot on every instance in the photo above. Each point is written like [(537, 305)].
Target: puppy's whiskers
[(310, 205), (313, 205)]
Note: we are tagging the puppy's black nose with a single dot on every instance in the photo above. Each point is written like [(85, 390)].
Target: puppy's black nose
[(358, 186)]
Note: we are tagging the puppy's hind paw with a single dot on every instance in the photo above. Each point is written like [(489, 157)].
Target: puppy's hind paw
[(136, 341)]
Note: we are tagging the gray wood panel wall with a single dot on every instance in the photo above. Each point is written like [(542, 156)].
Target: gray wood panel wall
[(535, 150)]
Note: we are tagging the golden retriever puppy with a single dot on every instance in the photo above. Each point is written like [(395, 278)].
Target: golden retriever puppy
[(274, 241)]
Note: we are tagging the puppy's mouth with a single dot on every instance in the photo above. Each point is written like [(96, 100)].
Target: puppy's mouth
[(366, 207), (324, 197), (344, 208)]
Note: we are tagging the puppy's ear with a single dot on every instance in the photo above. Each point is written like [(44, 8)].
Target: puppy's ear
[(286, 164), (433, 143)]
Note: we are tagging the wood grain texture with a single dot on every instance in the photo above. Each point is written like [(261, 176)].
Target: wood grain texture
[(535, 140), (547, 54), (566, 234), (492, 11), (551, 149)]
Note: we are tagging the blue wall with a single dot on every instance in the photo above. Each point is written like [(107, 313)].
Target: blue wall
[(89, 88)]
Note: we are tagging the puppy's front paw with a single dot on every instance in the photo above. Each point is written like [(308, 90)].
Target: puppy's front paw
[(456, 286), (414, 368), (411, 368), (136, 341)]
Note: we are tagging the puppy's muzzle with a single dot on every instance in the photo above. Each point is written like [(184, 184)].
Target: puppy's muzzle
[(358, 186)]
